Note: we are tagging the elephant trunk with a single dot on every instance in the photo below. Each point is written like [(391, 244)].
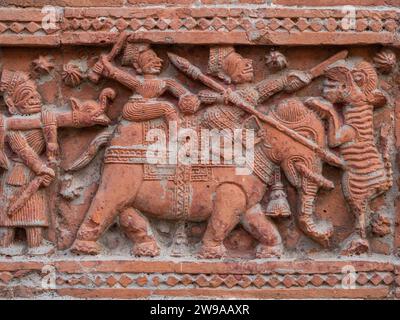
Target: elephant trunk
[(102, 139), (106, 95), (319, 232)]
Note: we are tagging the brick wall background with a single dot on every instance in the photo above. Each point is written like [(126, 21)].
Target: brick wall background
[(117, 3)]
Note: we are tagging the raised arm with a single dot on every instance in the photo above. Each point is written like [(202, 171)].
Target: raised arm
[(293, 81), (110, 71), (337, 134), (269, 87)]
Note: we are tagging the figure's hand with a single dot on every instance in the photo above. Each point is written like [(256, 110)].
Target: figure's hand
[(209, 97), (47, 174), (189, 103), (52, 152), (322, 107), (228, 95), (234, 98), (296, 80), (107, 67)]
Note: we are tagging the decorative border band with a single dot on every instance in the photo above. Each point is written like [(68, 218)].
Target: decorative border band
[(206, 25), (145, 278)]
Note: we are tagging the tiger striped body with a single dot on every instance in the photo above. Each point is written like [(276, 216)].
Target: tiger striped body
[(366, 172)]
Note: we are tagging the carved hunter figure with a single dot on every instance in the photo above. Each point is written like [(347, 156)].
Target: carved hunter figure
[(368, 172), (217, 194), (31, 134), (22, 98), (144, 104)]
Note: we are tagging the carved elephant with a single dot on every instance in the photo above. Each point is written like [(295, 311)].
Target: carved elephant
[(224, 199)]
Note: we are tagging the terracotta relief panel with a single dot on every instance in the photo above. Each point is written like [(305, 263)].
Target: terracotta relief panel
[(199, 152)]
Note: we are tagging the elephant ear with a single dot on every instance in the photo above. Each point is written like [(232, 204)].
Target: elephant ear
[(75, 104)]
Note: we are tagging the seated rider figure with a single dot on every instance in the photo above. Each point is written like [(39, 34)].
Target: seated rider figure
[(145, 104), (228, 65)]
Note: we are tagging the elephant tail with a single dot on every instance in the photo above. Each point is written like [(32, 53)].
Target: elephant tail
[(91, 151)]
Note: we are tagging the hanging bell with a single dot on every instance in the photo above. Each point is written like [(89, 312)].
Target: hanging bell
[(278, 205)]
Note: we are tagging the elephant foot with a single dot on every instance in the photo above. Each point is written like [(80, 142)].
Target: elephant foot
[(86, 247), (263, 251), (208, 252), (321, 233), (146, 249), (356, 247)]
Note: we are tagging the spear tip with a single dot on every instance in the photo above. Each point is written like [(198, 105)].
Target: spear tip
[(179, 62)]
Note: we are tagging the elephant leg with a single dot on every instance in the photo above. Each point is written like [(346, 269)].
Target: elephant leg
[(34, 236), (137, 228), (118, 188), (264, 230), (229, 204), (320, 233), (8, 234)]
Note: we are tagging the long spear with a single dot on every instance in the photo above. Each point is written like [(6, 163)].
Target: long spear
[(195, 73)]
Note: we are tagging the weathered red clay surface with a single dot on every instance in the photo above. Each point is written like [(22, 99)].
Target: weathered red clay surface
[(309, 94)]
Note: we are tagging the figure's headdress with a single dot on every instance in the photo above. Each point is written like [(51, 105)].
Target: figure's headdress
[(340, 71), (16, 86), (10, 80), (132, 52), (216, 60)]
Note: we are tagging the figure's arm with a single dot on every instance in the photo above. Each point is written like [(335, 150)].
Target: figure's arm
[(291, 82), (123, 77), (188, 102), (29, 157), (176, 88), (337, 134), (269, 87), (50, 133), (210, 97)]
